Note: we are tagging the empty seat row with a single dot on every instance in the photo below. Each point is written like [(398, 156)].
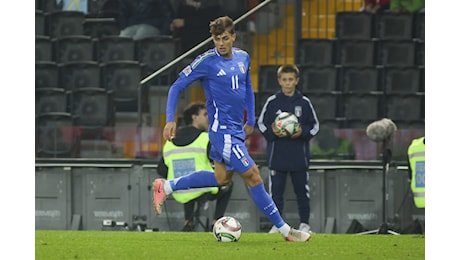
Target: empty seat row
[(91, 115), (361, 107), (153, 51), (385, 25), (93, 106), (121, 78), (349, 79), (58, 134), (360, 52), (60, 23), (115, 75)]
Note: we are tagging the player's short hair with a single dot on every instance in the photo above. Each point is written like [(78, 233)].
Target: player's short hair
[(190, 110), (288, 68), (221, 25)]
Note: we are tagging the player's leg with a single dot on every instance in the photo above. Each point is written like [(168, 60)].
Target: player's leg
[(222, 199), (191, 182), (277, 184), (302, 190), (241, 162), (266, 204)]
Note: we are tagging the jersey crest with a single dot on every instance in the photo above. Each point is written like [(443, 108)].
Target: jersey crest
[(242, 67)]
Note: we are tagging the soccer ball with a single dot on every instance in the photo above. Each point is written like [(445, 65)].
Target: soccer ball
[(227, 229), (287, 123)]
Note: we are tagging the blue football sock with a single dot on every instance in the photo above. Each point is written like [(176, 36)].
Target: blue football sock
[(197, 179), (266, 204)]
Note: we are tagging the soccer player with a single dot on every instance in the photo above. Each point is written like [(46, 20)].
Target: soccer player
[(224, 75)]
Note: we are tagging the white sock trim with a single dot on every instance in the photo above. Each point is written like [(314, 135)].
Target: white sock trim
[(284, 230), (167, 187)]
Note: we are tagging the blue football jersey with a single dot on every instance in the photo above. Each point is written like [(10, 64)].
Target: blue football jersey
[(227, 86)]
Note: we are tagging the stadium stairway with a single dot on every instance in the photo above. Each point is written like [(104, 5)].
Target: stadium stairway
[(277, 47)]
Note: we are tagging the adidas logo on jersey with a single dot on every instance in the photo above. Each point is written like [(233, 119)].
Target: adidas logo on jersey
[(221, 73)]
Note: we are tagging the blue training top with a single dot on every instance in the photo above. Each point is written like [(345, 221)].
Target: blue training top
[(228, 88)]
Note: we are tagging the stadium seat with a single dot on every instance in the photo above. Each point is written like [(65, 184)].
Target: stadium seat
[(422, 79), (80, 74), (123, 79), (64, 23), (359, 79), (326, 105), (55, 135), (73, 48), (50, 100), (48, 6), (392, 25), (354, 25), (419, 26), (100, 27), (43, 48), (420, 52), (113, 48), (396, 52), (355, 52), (401, 80), (93, 110), (315, 52), (46, 74), (39, 22), (362, 106), (268, 78), (404, 107), (318, 79), (157, 51)]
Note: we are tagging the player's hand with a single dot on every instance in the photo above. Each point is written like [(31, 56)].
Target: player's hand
[(298, 132), (248, 130), (169, 130), (277, 132)]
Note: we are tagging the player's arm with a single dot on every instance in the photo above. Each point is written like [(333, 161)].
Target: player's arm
[(310, 123), (250, 106), (250, 101), (186, 77)]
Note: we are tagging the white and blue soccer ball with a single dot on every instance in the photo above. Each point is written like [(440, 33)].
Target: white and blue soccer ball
[(227, 229), (287, 123)]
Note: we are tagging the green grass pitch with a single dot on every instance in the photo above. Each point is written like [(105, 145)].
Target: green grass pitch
[(63, 244)]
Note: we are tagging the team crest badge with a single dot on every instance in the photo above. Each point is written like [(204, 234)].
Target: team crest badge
[(242, 67), (298, 111), (244, 161)]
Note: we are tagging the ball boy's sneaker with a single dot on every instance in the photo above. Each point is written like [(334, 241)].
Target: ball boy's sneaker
[(305, 228), (273, 230)]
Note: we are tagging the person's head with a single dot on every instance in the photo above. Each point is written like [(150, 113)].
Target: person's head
[(288, 78), (223, 35), (195, 114)]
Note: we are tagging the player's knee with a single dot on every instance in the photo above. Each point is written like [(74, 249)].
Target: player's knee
[(223, 179), (252, 177)]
